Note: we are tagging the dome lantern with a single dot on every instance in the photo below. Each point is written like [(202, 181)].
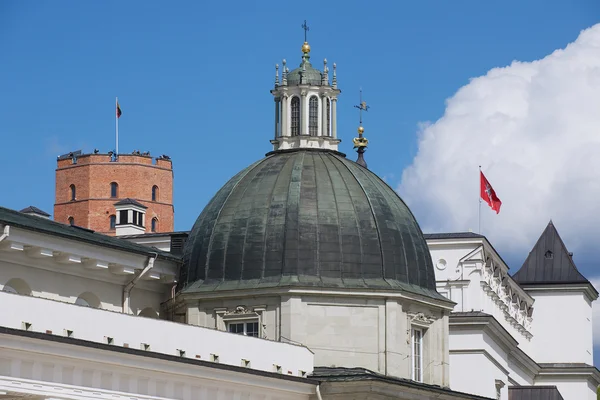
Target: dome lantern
[(305, 106)]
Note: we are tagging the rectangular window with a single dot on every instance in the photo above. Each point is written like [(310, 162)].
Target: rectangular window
[(417, 354), (123, 217), (243, 328)]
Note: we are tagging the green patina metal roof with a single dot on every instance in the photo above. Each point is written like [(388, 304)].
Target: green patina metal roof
[(311, 75), (307, 218)]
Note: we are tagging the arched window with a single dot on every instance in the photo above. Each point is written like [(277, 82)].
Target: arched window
[(71, 221), (73, 192), (313, 116), (295, 105), (154, 225), (88, 299), (154, 193), (17, 285), (328, 117), (114, 189), (113, 222)]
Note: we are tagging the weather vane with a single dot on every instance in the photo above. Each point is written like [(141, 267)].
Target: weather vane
[(360, 143), (306, 29), (362, 107)]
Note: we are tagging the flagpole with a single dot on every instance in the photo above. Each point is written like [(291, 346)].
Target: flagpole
[(479, 213), (117, 127)]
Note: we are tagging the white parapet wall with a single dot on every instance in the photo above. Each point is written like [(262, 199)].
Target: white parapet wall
[(101, 326)]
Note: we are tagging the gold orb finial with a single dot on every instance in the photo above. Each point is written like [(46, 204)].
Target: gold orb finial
[(306, 48), (361, 130)]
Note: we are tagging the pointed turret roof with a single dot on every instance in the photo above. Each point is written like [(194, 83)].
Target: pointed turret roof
[(549, 262)]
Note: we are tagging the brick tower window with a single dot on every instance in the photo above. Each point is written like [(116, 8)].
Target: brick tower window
[(154, 193), (114, 190), (113, 222), (73, 192), (154, 225), (71, 221)]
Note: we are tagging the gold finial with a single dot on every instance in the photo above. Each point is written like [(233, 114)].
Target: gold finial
[(361, 130), (306, 48)]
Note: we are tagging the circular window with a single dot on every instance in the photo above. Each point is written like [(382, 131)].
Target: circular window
[(441, 264)]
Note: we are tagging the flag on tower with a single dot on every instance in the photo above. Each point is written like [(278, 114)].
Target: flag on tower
[(118, 110), (489, 195)]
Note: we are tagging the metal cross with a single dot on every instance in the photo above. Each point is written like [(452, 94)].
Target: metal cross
[(362, 107), (306, 29)]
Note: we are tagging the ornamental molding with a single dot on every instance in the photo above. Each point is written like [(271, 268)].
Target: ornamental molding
[(497, 286), (421, 318), (239, 310)]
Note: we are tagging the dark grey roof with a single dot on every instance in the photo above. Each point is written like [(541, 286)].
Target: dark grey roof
[(37, 224), (340, 374), (127, 201), (549, 262), (534, 393), (154, 234), (34, 210), (307, 218), (453, 235)]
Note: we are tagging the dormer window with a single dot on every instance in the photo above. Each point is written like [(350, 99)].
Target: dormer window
[(313, 117), (130, 217), (295, 106)]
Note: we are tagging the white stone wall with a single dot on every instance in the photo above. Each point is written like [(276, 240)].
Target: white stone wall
[(562, 328), (39, 370), (161, 336), (570, 388), (344, 330), (50, 284)]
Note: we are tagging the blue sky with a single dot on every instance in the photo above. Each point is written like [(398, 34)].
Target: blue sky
[(193, 79)]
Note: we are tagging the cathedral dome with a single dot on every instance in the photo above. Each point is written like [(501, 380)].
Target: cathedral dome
[(307, 218)]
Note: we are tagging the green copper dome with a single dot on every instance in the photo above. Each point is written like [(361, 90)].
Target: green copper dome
[(308, 218), (311, 75)]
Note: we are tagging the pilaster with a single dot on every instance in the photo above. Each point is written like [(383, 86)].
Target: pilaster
[(334, 117)]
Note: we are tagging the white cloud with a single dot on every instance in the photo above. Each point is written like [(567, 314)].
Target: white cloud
[(534, 127)]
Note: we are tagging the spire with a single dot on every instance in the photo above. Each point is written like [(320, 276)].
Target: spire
[(549, 262), (360, 143)]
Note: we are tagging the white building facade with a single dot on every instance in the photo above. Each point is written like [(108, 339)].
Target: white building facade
[(509, 331)]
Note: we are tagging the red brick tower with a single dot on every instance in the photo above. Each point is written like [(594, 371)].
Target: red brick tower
[(89, 185)]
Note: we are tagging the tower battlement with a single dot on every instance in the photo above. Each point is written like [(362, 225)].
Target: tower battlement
[(88, 185)]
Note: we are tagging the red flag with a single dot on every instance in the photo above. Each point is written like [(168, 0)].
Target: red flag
[(118, 110), (489, 195)]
